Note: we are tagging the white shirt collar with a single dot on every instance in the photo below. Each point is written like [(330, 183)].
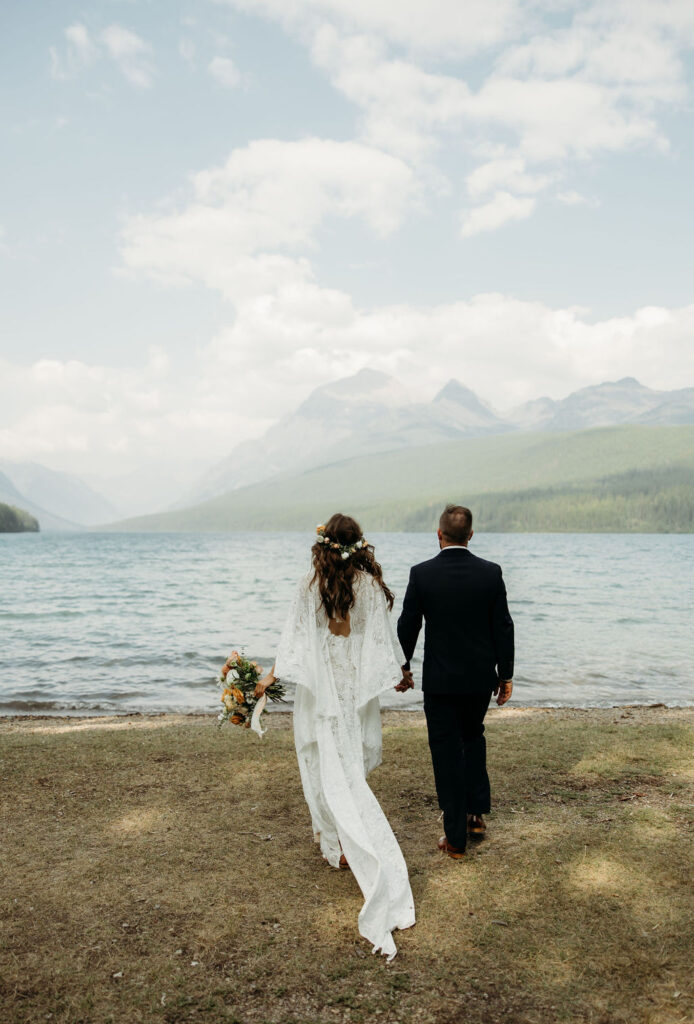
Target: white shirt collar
[(455, 547)]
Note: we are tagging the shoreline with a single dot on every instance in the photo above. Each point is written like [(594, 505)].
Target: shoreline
[(281, 718)]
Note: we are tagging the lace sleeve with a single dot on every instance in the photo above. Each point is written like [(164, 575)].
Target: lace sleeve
[(295, 638), (381, 658)]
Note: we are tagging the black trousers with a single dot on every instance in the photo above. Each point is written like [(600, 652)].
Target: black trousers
[(455, 723)]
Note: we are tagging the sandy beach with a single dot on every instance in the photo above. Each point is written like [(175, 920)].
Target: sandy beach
[(157, 869)]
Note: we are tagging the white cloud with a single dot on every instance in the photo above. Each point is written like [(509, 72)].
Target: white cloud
[(266, 201), (78, 36), (505, 172), (56, 406), (90, 417), (632, 44), (573, 198), (501, 209), (555, 96), (561, 118), (404, 107), (224, 71), (130, 53), (187, 50), (80, 52), (285, 344), (449, 27)]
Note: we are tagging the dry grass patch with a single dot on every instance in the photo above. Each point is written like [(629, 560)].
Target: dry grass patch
[(155, 870)]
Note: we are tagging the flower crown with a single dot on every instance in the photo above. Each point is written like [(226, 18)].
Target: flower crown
[(345, 549)]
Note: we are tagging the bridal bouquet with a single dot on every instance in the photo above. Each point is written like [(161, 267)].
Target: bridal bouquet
[(241, 707)]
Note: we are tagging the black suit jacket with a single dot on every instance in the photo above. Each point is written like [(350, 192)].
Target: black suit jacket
[(468, 638)]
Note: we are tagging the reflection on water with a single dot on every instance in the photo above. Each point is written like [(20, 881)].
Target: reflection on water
[(107, 622)]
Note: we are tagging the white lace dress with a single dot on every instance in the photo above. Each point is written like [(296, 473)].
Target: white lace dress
[(337, 730)]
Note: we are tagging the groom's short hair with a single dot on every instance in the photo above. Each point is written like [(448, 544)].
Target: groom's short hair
[(456, 524)]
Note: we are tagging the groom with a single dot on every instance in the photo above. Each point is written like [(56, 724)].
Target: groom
[(468, 655)]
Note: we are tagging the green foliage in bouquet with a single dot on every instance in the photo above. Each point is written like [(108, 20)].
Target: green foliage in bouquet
[(239, 677)]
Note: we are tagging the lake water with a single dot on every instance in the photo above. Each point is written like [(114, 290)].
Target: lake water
[(142, 622)]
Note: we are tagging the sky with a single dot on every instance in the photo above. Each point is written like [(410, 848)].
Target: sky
[(210, 208)]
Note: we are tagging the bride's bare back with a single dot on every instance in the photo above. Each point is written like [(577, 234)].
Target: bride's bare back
[(340, 627)]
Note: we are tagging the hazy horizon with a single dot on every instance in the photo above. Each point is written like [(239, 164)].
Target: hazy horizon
[(214, 213)]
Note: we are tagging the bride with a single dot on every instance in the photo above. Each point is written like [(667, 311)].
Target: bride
[(339, 648)]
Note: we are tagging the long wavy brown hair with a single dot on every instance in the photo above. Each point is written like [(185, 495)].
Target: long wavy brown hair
[(335, 575)]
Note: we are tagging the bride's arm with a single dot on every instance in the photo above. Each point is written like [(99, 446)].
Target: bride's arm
[(291, 651), (262, 684)]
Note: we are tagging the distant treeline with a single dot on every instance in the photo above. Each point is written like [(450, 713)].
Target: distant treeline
[(16, 520), (651, 501), (617, 479)]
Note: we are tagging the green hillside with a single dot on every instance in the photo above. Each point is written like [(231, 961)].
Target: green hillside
[(16, 520), (612, 479)]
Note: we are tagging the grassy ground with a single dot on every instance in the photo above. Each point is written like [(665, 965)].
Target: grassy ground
[(154, 869)]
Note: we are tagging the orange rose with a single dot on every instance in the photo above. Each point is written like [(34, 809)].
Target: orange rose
[(236, 719), (225, 670), (238, 695)]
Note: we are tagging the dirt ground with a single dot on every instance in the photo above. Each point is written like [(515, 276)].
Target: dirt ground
[(157, 869)]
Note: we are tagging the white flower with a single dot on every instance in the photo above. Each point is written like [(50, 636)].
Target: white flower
[(345, 554), (234, 674), (220, 716)]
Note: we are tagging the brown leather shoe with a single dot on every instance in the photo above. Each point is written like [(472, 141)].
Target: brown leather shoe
[(476, 827), (452, 851), (344, 864)]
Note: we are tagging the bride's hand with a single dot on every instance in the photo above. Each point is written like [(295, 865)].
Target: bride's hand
[(262, 685), (406, 683)]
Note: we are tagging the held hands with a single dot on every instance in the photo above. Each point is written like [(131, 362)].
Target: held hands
[(406, 683), (504, 689)]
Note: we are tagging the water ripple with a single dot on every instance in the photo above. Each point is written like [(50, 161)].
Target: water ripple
[(124, 622)]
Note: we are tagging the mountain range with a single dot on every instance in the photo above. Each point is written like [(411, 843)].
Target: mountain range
[(65, 501), (11, 495), (364, 414), (371, 412), (53, 495), (632, 478)]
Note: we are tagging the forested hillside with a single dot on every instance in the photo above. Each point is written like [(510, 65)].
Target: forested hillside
[(615, 479), (16, 520)]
